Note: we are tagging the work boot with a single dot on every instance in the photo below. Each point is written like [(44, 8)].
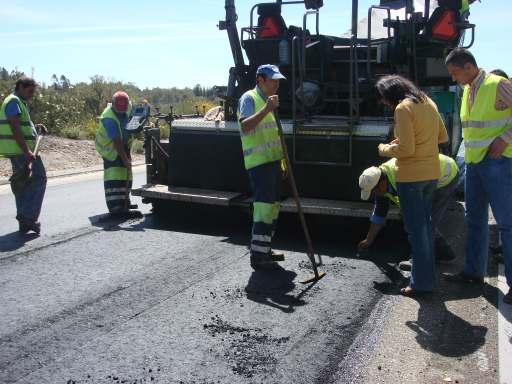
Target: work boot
[(276, 256), (26, 226), (507, 299), (462, 277), (125, 214), (263, 263), (445, 257), (405, 265)]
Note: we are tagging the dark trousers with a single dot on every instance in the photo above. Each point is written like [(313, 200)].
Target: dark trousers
[(488, 182), (30, 199), (117, 182), (266, 182)]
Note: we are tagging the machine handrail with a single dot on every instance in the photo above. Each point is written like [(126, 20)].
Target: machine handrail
[(251, 25), (369, 37)]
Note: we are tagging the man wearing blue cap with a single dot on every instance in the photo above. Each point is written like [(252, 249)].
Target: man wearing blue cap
[(263, 153)]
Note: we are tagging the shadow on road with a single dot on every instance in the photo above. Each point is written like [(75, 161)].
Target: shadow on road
[(438, 329), (15, 240), (112, 223), (271, 288), (443, 332), (332, 236)]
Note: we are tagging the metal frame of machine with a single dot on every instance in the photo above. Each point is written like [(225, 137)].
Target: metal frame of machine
[(332, 119)]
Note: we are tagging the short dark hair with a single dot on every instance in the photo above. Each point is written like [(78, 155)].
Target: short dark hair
[(395, 88), (460, 57), (262, 75), (499, 72), (25, 82)]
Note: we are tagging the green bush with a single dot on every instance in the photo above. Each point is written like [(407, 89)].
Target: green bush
[(72, 110), (71, 132), (89, 131), (165, 131)]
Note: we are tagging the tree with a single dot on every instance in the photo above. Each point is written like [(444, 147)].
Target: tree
[(55, 82), (64, 82), (197, 90), (4, 75)]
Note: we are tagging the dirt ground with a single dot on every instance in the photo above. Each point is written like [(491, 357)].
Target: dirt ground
[(59, 154)]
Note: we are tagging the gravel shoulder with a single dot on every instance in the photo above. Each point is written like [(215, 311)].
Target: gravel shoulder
[(448, 337)]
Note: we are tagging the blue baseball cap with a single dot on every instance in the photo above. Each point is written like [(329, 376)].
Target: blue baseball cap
[(270, 71)]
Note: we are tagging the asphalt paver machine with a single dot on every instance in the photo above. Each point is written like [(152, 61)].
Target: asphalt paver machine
[(330, 113)]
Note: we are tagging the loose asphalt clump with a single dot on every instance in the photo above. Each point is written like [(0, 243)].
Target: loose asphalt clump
[(250, 351), (235, 294)]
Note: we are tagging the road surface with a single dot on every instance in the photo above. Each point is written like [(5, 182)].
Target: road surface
[(173, 299)]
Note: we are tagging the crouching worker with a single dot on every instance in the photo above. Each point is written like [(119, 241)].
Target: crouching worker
[(113, 145), (380, 183)]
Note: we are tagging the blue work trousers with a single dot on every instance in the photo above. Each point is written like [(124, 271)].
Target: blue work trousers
[(416, 206), (266, 184), (488, 182), (30, 199), (117, 184)]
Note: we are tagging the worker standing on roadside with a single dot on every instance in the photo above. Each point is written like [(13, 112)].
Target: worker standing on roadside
[(112, 143), (262, 153), (380, 183), (419, 129), (486, 116), (17, 142)]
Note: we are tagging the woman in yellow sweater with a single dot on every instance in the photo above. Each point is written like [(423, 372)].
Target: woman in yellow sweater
[(419, 129)]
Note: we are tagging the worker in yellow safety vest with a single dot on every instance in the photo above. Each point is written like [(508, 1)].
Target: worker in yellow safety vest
[(262, 153), (380, 184), (486, 117), (113, 145), (17, 142)]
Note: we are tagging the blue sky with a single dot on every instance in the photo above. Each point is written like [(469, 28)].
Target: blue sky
[(174, 43)]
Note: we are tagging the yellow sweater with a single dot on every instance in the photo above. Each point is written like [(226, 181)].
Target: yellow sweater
[(419, 129)]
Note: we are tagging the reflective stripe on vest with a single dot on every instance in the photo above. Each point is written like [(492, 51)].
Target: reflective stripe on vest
[(104, 145), (262, 148), (483, 123), (447, 165), (8, 145), (261, 127), (261, 145)]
